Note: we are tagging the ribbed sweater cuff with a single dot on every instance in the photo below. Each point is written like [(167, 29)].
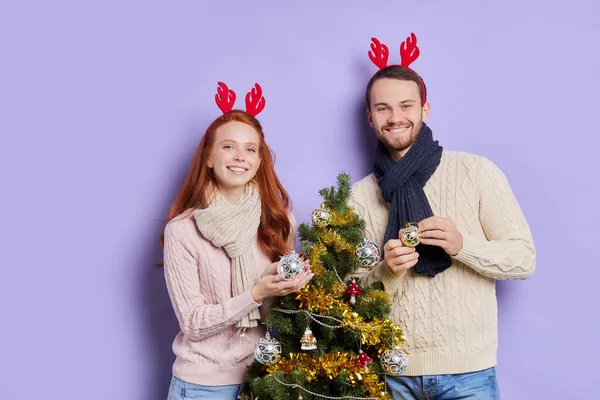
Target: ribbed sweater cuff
[(450, 363), (390, 281), (468, 255)]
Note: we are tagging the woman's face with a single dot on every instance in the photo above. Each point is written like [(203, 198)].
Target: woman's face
[(234, 158)]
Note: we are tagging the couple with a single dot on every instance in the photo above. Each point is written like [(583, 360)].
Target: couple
[(231, 221)]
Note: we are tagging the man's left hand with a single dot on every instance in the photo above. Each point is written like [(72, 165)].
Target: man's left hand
[(441, 232)]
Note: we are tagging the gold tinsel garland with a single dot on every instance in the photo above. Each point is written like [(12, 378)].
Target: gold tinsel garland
[(316, 264), (316, 299), (329, 366), (372, 333), (319, 301), (330, 238), (376, 296), (342, 219)]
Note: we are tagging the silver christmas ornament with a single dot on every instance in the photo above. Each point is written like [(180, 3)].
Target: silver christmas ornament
[(394, 361), (267, 350), (368, 253), (290, 266)]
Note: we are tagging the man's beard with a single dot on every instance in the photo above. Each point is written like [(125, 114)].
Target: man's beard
[(404, 141)]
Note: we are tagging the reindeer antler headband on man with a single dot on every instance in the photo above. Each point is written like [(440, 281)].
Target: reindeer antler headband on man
[(409, 52), (255, 101)]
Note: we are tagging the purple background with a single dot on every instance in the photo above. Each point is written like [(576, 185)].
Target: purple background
[(103, 105)]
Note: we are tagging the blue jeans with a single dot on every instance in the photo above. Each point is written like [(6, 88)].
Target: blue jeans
[(480, 385), (182, 390)]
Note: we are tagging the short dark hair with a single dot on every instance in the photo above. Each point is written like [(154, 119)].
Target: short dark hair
[(401, 73)]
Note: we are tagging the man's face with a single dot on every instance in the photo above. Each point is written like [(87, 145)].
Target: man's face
[(396, 114)]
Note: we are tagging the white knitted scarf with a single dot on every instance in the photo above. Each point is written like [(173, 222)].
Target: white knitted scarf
[(233, 227)]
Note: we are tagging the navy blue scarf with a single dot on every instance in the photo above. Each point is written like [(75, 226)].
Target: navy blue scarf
[(401, 183)]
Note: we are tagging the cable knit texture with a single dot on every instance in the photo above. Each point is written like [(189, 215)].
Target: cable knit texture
[(450, 321), (198, 278)]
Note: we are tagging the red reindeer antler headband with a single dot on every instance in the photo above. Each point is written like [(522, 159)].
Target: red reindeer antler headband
[(409, 52), (255, 101)]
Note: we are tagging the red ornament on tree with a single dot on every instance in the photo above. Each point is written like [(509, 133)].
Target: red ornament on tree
[(364, 360), (353, 290)]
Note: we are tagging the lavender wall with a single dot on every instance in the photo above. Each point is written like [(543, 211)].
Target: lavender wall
[(104, 103)]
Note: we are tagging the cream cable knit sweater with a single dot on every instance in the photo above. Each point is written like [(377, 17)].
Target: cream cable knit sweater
[(450, 321)]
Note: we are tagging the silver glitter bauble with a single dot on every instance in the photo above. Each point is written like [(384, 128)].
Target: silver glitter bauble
[(290, 266), (321, 216), (267, 350), (411, 235), (394, 361), (368, 253)]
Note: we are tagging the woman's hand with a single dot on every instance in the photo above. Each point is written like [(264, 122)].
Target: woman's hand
[(271, 284)]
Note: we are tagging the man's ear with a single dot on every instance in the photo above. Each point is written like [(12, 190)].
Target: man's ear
[(425, 111)]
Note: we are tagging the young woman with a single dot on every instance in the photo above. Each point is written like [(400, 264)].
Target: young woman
[(228, 226)]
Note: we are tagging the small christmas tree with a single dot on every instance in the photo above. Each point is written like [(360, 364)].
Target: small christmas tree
[(332, 330)]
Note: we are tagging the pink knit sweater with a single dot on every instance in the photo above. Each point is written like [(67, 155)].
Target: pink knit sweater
[(199, 284)]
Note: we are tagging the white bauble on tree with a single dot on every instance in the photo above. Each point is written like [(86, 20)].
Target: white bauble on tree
[(394, 361), (368, 253), (267, 350)]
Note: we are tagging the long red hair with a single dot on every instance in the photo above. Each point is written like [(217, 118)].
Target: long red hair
[(198, 188)]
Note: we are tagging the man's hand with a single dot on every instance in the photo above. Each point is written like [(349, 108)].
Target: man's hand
[(441, 232), (399, 257)]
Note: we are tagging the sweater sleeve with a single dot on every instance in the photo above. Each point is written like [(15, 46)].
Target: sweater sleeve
[(198, 319), (380, 272), (507, 251)]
